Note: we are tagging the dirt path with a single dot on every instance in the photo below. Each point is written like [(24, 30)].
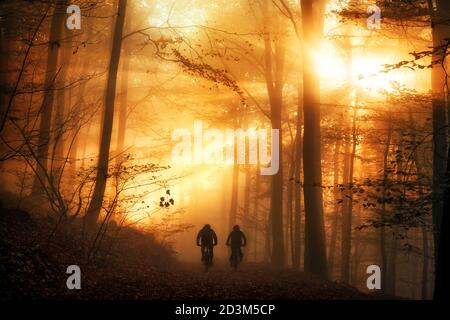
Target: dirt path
[(190, 281), (30, 271)]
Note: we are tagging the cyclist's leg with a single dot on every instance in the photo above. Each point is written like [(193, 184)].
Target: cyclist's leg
[(241, 254)]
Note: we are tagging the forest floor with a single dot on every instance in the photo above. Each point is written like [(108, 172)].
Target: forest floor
[(30, 270), (190, 281)]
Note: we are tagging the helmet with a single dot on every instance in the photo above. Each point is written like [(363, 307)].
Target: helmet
[(236, 227), (207, 226)]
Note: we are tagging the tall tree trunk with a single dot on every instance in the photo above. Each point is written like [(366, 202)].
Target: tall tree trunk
[(6, 46), (274, 82), (290, 240), (80, 101), (383, 247), (420, 181), (356, 254), (297, 240), (336, 206), (315, 247), (442, 279), (46, 109), (348, 205), (391, 280), (425, 263), (256, 214), (235, 177), (95, 205), (440, 32), (234, 196), (246, 214), (392, 265), (65, 54), (123, 110), (268, 239)]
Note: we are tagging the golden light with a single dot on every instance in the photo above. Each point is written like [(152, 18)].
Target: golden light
[(332, 68), (179, 14)]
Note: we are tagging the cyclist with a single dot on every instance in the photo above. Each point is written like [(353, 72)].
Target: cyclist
[(207, 239), (236, 240)]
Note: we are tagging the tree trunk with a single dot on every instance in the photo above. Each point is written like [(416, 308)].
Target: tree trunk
[(234, 196), (357, 252), (246, 214), (46, 109), (315, 247), (297, 240), (256, 215), (290, 241), (65, 54), (123, 100), (274, 83), (392, 266), (347, 209), (80, 102), (442, 223), (6, 46), (424, 289), (337, 195), (95, 205), (425, 246), (442, 279), (383, 247), (440, 31), (268, 238)]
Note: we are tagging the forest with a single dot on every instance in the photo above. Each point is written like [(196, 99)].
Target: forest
[(319, 127)]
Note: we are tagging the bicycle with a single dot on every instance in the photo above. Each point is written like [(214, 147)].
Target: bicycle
[(235, 259), (207, 258)]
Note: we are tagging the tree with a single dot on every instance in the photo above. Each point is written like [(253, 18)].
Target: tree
[(95, 205), (347, 209), (336, 206), (440, 33), (46, 109), (274, 58), (123, 110), (315, 247), (61, 106), (441, 160), (442, 280)]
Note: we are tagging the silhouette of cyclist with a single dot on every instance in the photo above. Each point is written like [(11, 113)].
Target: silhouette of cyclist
[(207, 239), (236, 240)]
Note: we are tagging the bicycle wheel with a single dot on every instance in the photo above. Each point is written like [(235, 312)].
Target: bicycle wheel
[(234, 261), (207, 259)]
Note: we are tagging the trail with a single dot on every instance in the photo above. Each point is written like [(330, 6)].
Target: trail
[(190, 281), (32, 271)]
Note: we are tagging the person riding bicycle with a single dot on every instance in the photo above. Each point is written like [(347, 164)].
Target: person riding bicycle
[(207, 239), (236, 240)]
